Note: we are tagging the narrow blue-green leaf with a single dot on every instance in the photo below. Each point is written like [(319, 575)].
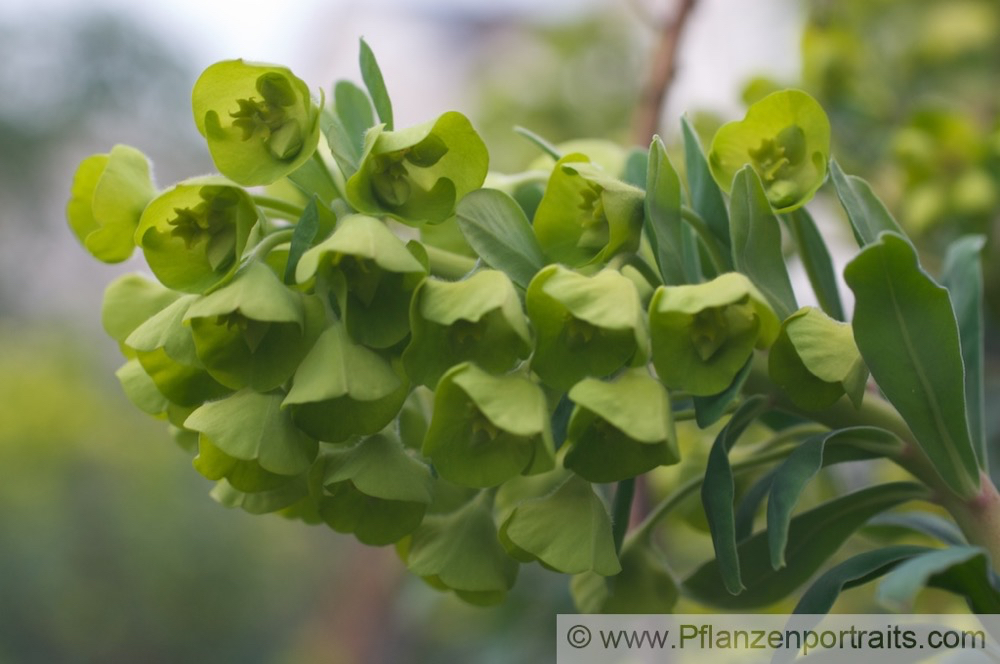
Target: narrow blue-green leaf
[(622, 511), (345, 128), (636, 166), (663, 215), (905, 328), (718, 491), (756, 239), (706, 197), (963, 277), (963, 570), (925, 523), (813, 537), (539, 142), (794, 473), (695, 269), (372, 76), (857, 570), (495, 227), (816, 259), (302, 237), (708, 410), (867, 214), (753, 498)]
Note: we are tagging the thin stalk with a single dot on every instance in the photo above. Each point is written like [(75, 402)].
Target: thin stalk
[(289, 210), (271, 241)]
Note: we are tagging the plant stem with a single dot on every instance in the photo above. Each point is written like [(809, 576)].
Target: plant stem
[(978, 517), (271, 241), (290, 210), (447, 264)]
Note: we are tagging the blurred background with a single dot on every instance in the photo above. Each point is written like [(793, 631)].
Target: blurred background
[(110, 548)]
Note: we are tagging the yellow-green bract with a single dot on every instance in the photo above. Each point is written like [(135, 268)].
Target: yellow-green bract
[(258, 119), (785, 137)]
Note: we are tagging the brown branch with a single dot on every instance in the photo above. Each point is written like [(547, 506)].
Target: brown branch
[(653, 97)]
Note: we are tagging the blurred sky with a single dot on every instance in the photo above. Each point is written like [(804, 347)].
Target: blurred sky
[(726, 42)]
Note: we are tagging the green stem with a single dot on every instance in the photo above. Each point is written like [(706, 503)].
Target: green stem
[(978, 517), (289, 210), (271, 241), (700, 227), (447, 264), (622, 511)]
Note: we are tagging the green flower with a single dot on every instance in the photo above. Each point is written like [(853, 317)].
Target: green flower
[(586, 326), (785, 137), (373, 275), (419, 174), (587, 216), (620, 429), (254, 331), (108, 196), (250, 440), (815, 361), (259, 120), (478, 319), (194, 233), (459, 551), (486, 429), (375, 490), (342, 389), (702, 335)]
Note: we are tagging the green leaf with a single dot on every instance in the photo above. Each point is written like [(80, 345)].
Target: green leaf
[(795, 472), (460, 551), (706, 197), (867, 214), (302, 238), (643, 586), (418, 175), (585, 326), (620, 429), (342, 389), (254, 331), (376, 491), (756, 238), (817, 261), (663, 214), (140, 388), (586, 216), (703, 335), (260, 502), (251, 426), (718, 491), (567, 530), (708, 410), (373, 275), (497, 229), (963, 570), (194, 233), (487, 429), (813, 537), (372, 76), (352, 117), (478, 319), (259, 120), (962, 275), (816, 362), (931, 525), (129, 301), (905, 328), (785, 138), (636, 165), (857, 570), (108, 196)]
